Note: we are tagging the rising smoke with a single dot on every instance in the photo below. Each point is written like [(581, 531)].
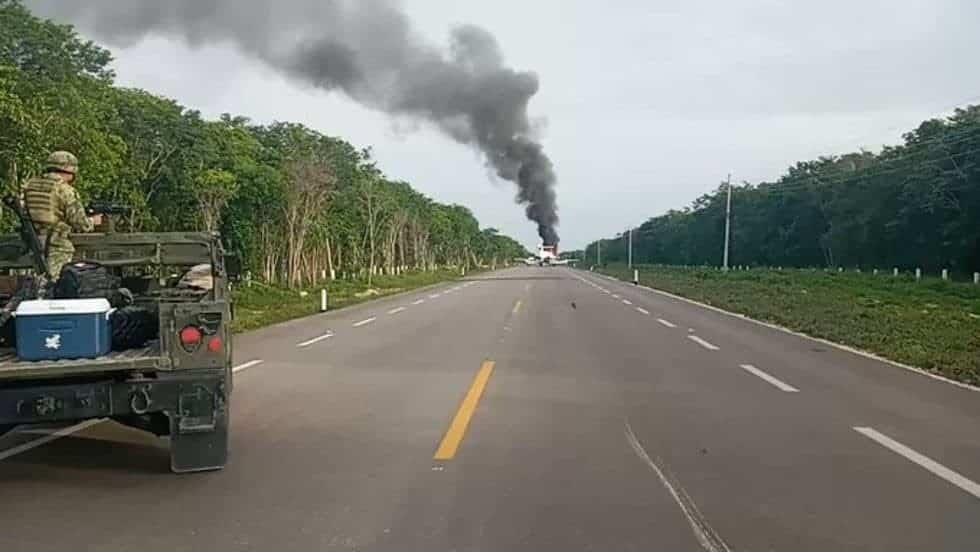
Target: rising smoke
[(368, 50)]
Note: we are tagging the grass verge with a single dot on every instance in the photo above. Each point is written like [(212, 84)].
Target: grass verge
[(931, 324), (262, 305)]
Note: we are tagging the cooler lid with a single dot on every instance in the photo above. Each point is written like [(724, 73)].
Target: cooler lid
[(63, 306)]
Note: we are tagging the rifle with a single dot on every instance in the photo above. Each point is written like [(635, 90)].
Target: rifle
[(109, 210), (28, 234), (106, 208), (36, 287)]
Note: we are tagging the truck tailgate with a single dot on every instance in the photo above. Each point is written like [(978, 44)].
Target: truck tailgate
[(146, 358)]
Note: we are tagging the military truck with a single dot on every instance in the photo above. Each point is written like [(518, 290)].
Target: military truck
[(177, 385)]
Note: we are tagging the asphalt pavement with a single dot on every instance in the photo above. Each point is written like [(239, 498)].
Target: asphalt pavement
[(529, 409)]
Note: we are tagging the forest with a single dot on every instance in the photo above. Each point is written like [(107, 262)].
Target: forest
[(912, 205), (291, 201)]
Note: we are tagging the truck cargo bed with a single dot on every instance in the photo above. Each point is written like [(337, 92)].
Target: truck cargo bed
[(146, 358)]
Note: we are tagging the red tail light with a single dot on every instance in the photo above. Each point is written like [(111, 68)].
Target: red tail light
[(215, 345), (190, 337)]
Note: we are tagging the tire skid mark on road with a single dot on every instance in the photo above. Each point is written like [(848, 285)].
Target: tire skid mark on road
[(707, 537)]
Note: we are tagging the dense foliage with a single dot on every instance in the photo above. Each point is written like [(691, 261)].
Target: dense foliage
[(912, 205), (294, 202)]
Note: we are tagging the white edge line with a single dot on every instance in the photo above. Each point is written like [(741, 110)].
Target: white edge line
[(924, 461), (642, 310), (396, 311), (839, 346), (364, 322), (666, 323), (246, 366), (782, 386), (706, 536), (48, 438), (703, 343), (419, 302)]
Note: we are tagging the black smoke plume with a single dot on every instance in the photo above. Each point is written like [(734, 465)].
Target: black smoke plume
[(368, 50)]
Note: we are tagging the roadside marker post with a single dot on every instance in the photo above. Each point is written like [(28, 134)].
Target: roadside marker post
[(323, 300), (918, 274), (976, 277), (945, 274), (895, 272), (636, 277)]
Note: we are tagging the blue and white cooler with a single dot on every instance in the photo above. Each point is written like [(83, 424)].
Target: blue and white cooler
[(63, 329)]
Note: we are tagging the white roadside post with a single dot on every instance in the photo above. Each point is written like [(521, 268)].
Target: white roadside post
[(323, 300), (976, 277), (895, 272), (945, 274), (636, 277), (918, 274), (874, 272)]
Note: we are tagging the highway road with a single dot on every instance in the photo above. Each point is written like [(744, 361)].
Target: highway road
[(531, 409)]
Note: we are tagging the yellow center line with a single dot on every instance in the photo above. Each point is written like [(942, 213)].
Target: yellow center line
[(517, 307), (457, 430)]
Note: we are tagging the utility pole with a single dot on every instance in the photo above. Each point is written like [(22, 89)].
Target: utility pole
[(631, 248), (598, 253), (728, 220)]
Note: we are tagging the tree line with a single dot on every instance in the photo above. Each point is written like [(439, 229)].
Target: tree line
[(916, 204), (292, 201)]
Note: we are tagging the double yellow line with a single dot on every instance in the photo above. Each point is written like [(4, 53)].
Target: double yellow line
[(457, 430)]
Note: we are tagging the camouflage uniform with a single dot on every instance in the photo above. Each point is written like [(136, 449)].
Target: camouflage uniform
[(56, 210)]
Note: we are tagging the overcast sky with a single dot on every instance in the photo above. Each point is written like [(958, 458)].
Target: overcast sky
[(644, 104)]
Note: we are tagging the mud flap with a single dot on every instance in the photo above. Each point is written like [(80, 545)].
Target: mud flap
[(199, 429)]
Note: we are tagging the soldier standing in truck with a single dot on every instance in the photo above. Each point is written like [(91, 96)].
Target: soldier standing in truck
[(56, 210)]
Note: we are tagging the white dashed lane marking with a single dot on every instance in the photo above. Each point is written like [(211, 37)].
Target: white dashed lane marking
[(666, 323), (246, 366), (642, 310), (936, 468), (318, 339), (396, 311), (703, 343), (364, 322), (419, 302), (775, 382)]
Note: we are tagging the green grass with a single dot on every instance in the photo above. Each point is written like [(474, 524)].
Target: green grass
[(931, 324), (262, 305)]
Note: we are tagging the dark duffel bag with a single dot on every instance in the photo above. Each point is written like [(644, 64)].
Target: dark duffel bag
[(133, 327), (90, 281)]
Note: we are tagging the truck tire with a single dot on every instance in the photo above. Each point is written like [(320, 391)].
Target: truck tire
[(132, 327)]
